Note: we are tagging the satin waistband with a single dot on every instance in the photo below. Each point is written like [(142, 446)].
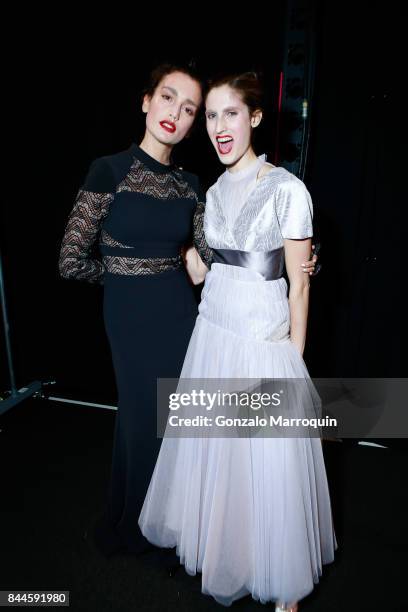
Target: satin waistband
[(268, 263)]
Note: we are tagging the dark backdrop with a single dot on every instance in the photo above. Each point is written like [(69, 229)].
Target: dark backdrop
[(78, 91)]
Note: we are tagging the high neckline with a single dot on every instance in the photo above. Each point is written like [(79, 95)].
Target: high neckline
[(150, 161), (252, 167)]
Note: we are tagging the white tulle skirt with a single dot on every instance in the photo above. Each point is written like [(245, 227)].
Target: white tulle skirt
[(252, 515)]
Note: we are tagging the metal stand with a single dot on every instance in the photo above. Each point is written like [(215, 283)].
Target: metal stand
[(36, 389), (15, 395)]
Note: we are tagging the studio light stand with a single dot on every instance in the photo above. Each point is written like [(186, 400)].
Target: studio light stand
[(36, 389), (14, 396)]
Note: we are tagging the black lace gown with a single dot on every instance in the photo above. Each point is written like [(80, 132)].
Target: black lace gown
[(140, 213)]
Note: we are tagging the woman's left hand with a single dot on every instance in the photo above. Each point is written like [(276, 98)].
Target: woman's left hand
[(310, 267)]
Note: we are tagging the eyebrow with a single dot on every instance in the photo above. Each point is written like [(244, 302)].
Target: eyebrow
[(174, 91), (229, 108)]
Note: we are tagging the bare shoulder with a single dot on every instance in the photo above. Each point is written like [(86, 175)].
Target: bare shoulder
[(265, 169)]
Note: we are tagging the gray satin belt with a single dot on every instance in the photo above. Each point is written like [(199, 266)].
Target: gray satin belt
[(269, 263)]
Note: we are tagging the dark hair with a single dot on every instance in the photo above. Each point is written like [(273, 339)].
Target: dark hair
[(162, 70), (247, 84)]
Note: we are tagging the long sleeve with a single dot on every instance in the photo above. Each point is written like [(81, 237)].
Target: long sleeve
[(91, 206), (199, 240)]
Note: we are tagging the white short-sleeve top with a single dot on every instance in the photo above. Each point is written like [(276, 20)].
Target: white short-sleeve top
[(250, 214)]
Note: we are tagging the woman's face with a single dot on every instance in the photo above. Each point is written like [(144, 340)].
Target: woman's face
[(229, 124), (172, 108)]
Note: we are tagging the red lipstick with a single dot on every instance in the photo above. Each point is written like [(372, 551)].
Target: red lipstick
[(169, 126)]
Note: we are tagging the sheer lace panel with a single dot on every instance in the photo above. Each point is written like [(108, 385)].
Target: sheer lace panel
[(137, 266), (166, 186), (84, 223), (199, 240)]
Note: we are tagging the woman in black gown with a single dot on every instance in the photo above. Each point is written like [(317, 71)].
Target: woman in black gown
[(143, 209)]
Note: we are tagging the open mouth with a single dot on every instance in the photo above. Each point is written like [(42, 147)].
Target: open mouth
[(225, 144), (168, 126)]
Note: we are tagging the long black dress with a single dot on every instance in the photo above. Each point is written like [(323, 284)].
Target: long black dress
[(143, 212)]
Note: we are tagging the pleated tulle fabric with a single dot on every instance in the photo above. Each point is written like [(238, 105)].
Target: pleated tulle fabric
[(252, 515)]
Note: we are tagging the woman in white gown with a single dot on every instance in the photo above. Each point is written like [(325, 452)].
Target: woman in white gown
[(252, 515)]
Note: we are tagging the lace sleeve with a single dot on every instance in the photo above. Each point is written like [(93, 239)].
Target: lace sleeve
[(199, 240), (84, 223)]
